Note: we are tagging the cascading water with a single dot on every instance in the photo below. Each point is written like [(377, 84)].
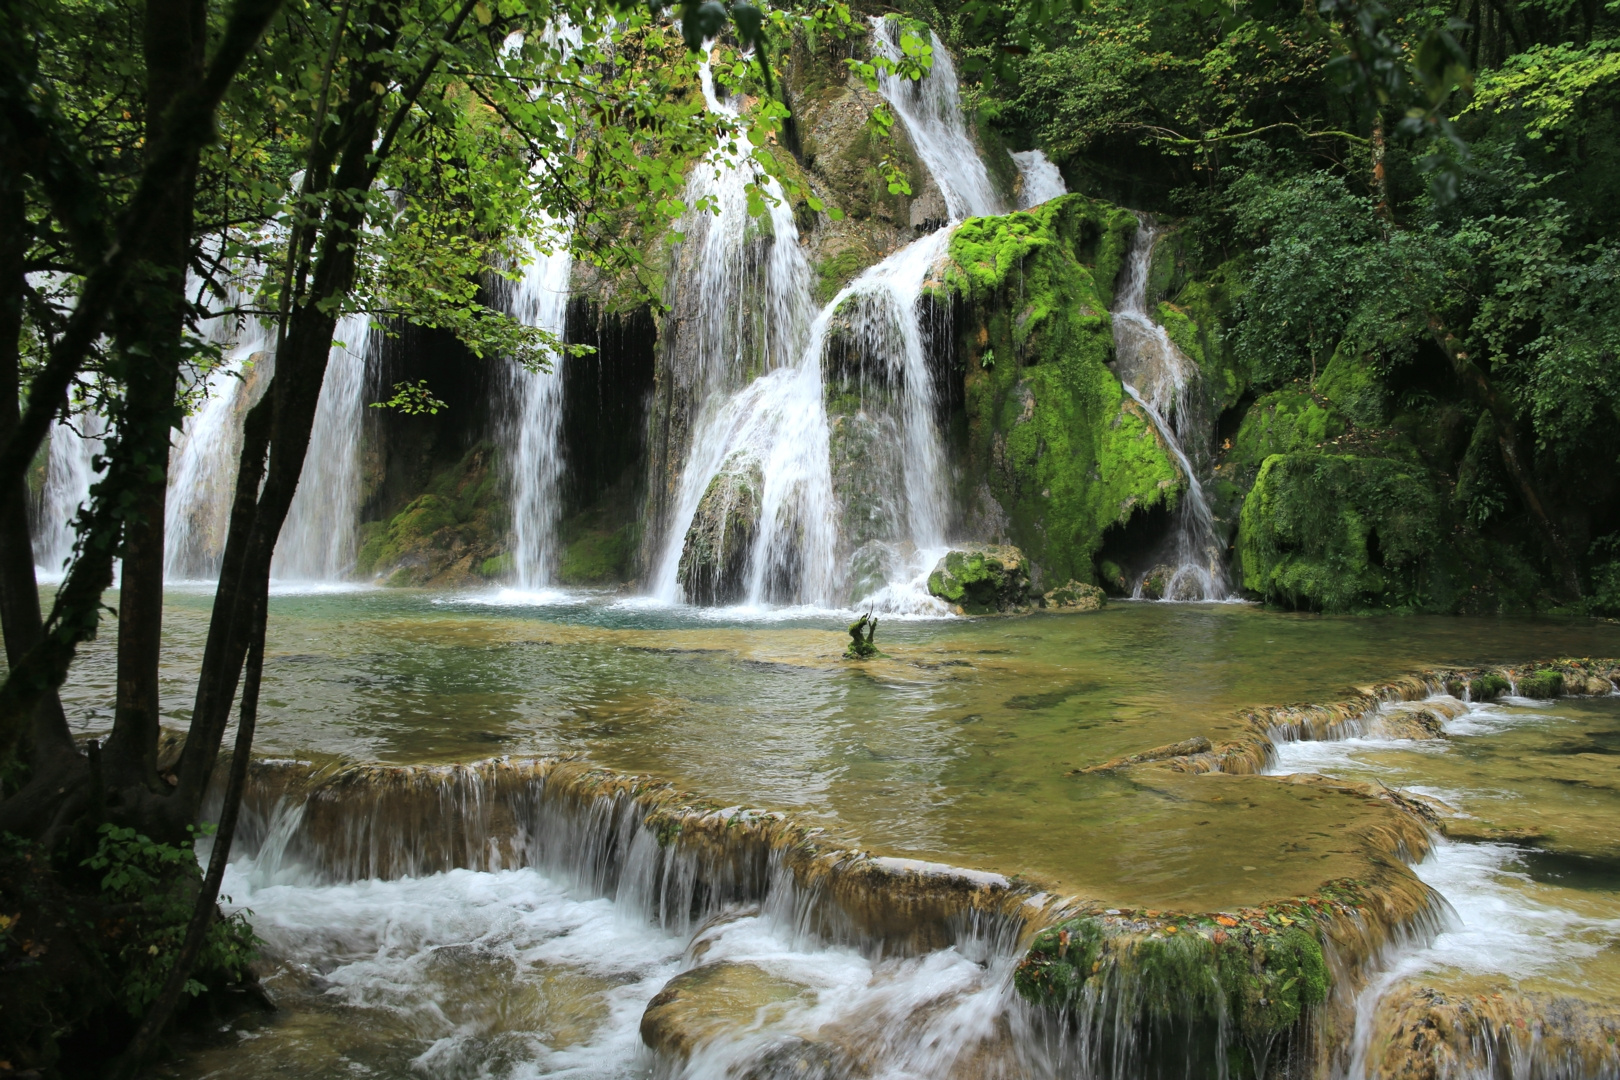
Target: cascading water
[(531, 431), (767, 509), (763, 442), (1041, 180), (1161, 379), (318, 539), (202, 466), (69, 472)]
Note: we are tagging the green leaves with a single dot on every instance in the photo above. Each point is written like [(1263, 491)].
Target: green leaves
[(412, 399)]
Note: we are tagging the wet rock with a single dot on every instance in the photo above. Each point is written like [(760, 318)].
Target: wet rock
[(1542, 684), (1425, 1033), (707, 1002), (1185, 748), (1074, 596), (983, 580), (714, 558), (1156, 581), (800, 1059)]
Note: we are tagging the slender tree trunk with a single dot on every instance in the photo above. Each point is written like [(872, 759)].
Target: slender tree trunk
[(19, 591), (175, 32)]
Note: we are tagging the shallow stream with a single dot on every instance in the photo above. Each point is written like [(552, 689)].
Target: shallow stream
[(962, 747)]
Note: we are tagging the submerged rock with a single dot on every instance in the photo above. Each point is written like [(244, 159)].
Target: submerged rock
[(714, 559), (707, 1002), (1075, 596), (983, 579)]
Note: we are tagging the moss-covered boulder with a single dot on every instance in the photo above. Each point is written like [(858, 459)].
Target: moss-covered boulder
[(1338, 531), (714, 557), (1074, 596), (1542, 684), (1488, 687), (1052, 440), (983, 580), (453, 534)]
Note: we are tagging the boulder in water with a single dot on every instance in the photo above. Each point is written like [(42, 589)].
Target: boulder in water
[(714, 559), (1156, 581), (710, 1001), (1075, 596), (984, 579)]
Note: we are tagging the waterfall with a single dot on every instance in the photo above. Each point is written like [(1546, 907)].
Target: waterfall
[(1160, 378), (761, 442), (767, 509), (202, 465), (318, 538), (69, 472), (1041, 179), (531, 432)]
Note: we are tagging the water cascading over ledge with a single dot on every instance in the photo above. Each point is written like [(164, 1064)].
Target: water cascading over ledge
[(685, 865)]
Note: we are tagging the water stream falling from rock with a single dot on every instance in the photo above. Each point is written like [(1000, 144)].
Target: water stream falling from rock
[(69, 472), (775, 496), (1163, 381), (531, 430), (318, 540), (202, 465)]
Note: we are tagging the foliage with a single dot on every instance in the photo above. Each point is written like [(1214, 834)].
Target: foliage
[(150, 888)]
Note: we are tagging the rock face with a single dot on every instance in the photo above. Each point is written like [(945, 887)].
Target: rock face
[(715, 555), (1051, 439), (983, 580), (1075, 596)]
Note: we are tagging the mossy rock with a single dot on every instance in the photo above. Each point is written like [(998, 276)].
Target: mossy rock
[(1283, 422), (1488, 687), (714, 555), (1051, 437), (1542, 684), (1074, 596), (1338, 532), (596, 557), (983, 580), (1261, 983), (451, 534)]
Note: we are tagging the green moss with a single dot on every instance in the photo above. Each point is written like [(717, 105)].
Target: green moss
[(1542, 684), (1337, 532), (1488, 687), (1054, 971), (454, 525), (836, 271), (982, 581), (1206, 301), (496, 566), (1353, 384), (1282, 422), (1262, 983), (1050, 431), (595, 558)]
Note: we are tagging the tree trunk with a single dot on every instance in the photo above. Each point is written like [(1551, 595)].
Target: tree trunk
[(19, 592), (175, 33)]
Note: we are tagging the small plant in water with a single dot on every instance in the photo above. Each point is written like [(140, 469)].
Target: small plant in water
[(862, 647)]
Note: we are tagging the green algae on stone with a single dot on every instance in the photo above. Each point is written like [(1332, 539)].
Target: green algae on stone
[(447, 535), (1052, 439), (1074, 596), (1259, 976), (1338, 532), (983, 579), (1542, 684)]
